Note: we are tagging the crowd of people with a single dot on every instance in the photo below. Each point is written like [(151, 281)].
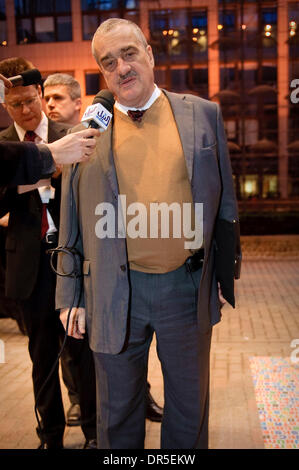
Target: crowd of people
[(173, 150)]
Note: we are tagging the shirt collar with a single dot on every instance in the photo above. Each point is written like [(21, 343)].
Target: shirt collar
[(124, 109), (41, 130)]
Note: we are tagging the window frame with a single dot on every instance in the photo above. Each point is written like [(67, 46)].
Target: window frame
[(32, 16)]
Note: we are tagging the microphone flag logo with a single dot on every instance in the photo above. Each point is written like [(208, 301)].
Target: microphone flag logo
[(97, 113)]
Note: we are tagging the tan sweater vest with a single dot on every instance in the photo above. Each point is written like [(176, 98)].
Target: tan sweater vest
[(151, 168)]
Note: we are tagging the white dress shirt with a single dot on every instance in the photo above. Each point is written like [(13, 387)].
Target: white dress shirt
[(124, 109), (46, 191)]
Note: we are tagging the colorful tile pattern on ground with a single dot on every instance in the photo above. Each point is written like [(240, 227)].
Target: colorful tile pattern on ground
[(276, 383)]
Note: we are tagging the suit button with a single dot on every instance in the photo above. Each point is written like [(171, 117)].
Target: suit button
[(123, 267)]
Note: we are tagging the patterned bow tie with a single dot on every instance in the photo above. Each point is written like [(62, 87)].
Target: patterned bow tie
[(136, 115)]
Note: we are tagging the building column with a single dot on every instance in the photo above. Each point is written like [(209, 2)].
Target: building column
[(143, 18), (213, 54), (76, 20), (10, 23), (77, 37), (283, 92)]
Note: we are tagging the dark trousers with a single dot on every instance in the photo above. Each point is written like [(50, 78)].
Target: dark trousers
[(80, 371), (167, 305), (44, 328), (68, 376), (8, 307)]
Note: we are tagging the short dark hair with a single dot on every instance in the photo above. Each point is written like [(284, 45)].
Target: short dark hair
[(14, 66)]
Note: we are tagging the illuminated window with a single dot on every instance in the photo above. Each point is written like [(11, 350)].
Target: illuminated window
[(179, 35), (293, 11), (270, 186), (227, 19), (94, 12), (108, 4), (43, 21), (227, 34), (230, 129), (269, 32), (250, 186), (44, 29), (251, 131)]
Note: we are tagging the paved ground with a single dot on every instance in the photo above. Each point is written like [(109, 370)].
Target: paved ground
[(264, 323)]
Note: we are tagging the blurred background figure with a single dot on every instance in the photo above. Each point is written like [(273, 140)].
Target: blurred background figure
[(62, 94)]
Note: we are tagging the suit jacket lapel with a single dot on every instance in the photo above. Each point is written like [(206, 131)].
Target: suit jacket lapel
[(105, 158), (55, 130), (10, 134), (184, 117)]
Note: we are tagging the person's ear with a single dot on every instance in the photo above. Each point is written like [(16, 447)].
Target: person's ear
[(78, 103), (39, 91), (150, 54)]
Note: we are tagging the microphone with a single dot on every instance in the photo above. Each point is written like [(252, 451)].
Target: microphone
[(99, 114), (30, 77)]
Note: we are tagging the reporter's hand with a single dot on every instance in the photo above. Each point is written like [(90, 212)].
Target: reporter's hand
[(73, 148), (6, 81), (77, 321), (4, 220)]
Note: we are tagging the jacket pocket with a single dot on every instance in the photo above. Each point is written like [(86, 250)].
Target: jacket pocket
[(209, 148), (209, 152)]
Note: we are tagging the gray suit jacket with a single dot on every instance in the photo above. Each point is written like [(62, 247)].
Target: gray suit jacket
[(106, 285)]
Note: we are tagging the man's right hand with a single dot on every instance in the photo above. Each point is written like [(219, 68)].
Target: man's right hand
[(75, 147), (76, 327)]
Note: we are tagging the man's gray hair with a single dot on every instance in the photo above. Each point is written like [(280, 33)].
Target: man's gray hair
[(111, 24), (67, 80)]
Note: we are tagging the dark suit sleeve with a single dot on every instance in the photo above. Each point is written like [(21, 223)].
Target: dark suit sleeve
[(227, 231), (24, 163), (48, 164)]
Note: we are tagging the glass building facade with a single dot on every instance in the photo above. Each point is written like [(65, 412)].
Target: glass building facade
[(243, 54)]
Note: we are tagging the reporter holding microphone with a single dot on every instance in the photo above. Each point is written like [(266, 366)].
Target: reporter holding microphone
[(33, 229), (26, 163)]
